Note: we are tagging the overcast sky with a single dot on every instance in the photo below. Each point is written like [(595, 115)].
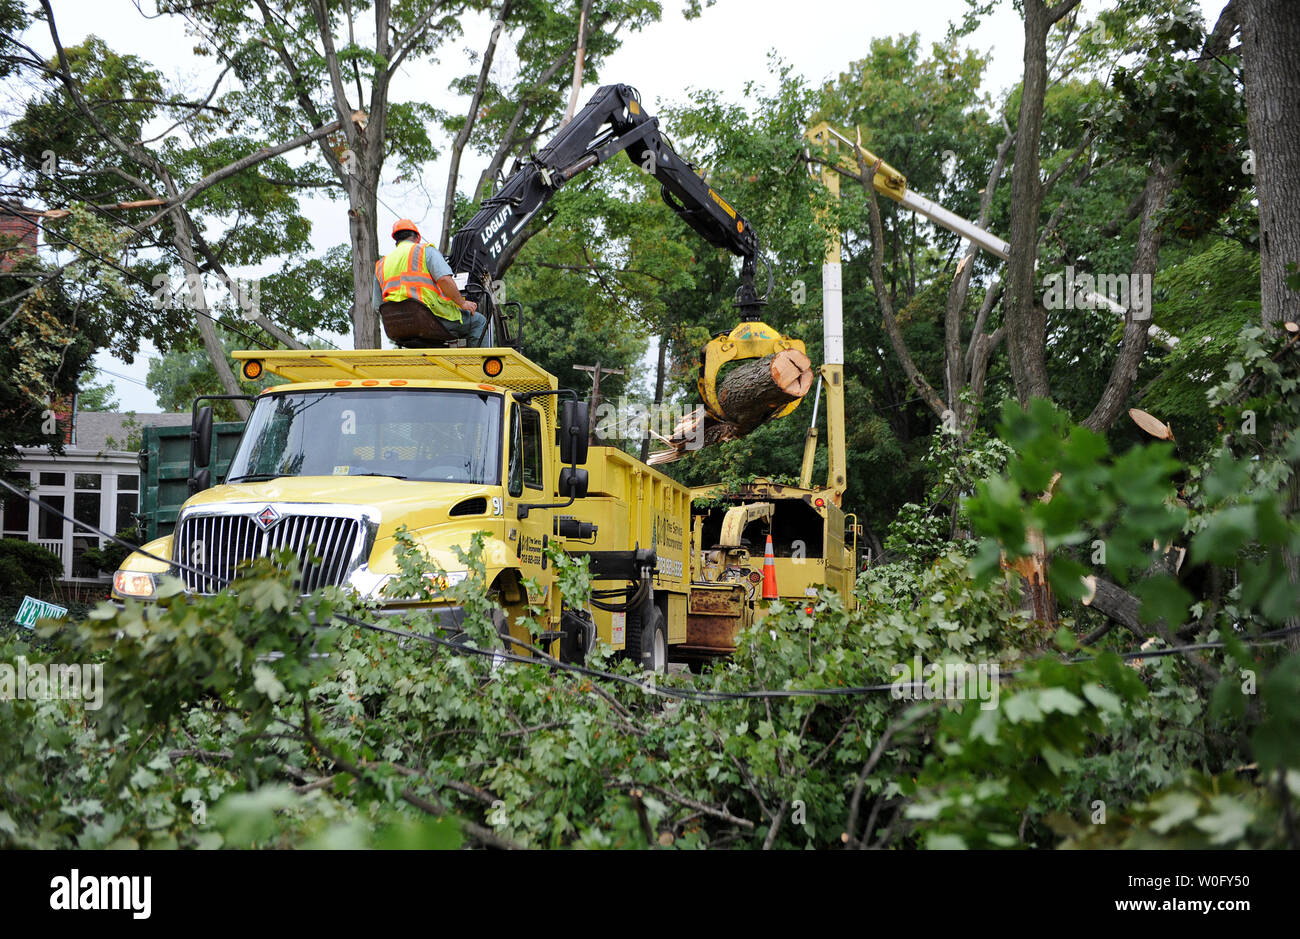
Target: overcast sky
[(722, 49)]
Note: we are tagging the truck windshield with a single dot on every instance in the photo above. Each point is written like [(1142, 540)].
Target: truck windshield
[(417, 433)]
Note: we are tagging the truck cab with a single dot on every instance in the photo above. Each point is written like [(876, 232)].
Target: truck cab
[(445, 443)]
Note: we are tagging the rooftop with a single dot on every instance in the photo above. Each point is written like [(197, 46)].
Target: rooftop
[(94, 428)]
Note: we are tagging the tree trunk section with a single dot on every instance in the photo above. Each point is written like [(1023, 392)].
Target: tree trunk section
[(365, 253), (463, 135), (754, 388), (1271, 47), (749, 394), (660, 373), (1026, 324), (1124, 372), (183, 241), (1271, 61)]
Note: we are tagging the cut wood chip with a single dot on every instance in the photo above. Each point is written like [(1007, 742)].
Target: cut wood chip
[(1151, 424)]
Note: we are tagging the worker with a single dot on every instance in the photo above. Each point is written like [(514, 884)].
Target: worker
[(415, 272)]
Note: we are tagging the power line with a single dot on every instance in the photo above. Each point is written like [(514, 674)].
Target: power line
[(166, 249), (131, 274), (123, 377)]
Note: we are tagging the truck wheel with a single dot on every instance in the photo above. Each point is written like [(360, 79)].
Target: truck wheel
[(647, 642)]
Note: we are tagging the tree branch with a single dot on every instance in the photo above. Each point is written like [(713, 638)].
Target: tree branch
[(471, 116)]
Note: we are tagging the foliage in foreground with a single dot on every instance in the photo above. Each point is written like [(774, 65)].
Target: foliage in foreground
[(253, 719)]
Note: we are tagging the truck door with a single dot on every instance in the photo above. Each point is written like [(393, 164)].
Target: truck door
[(527, 482)]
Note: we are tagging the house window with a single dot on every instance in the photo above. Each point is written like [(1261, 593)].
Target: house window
[(80, 567), (88, 480), (50, 527), (85, 509), (16, 508), (128, 501), (53, 479)]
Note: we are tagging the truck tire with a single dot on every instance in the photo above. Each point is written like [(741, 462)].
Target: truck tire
[(647, 641)]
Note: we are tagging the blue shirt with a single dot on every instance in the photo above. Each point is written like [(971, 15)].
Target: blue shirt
[(434, 263)]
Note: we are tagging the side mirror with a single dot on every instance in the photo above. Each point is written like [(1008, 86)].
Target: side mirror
[(200, 481), (573, 483), (574, 427), (201, 438)]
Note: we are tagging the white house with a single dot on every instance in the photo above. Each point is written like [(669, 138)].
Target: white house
[(95, 480)]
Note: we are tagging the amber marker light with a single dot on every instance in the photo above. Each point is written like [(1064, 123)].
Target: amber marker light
[(252, 370), (492, 367)]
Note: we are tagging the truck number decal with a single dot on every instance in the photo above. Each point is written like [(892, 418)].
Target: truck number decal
[(496, 505)]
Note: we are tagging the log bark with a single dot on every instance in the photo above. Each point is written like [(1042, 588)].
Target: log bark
[(749, 394), (1271, 56), (1271, 51), (753, 389)]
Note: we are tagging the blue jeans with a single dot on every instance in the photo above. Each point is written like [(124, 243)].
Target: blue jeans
[(470, 327)]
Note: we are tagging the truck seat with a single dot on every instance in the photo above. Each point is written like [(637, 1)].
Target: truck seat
[(410, 325)]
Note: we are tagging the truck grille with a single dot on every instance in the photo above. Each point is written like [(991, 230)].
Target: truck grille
[(217, 544)]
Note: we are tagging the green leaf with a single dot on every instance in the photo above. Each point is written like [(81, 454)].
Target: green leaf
[(985, 726), (265, 681), (1022, 708), (1102, 699), (1163, 598), (1058, 699), (944, 842), (1228, 822), (1174, 809)]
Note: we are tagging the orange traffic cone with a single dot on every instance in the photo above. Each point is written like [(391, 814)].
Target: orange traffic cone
[(769, 572)]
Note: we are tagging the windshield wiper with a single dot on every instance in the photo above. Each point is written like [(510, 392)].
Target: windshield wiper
[(254, 477), (385, 475)]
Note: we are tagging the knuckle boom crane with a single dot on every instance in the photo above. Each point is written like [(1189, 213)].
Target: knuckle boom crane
[(612, 121)]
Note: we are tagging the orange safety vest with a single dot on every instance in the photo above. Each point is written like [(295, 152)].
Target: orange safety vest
[(402, 275)]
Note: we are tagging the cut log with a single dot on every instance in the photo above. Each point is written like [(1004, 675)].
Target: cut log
[(754, 388), (750, 392)]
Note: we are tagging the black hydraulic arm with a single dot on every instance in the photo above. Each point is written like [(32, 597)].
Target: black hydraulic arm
[(612, 121)]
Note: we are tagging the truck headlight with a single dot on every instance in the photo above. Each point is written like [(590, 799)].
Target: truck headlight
[(439, 583), (134, 584), (446, 580)]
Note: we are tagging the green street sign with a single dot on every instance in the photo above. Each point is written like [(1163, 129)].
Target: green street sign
[(33, 609)]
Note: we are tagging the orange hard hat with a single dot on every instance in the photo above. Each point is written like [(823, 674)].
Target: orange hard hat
[(405, 224)]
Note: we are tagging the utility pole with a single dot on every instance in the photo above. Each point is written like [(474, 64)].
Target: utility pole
[(596, 372)]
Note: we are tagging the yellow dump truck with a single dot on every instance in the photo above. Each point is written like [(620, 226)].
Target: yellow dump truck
[(449, 442), (446, 443)]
